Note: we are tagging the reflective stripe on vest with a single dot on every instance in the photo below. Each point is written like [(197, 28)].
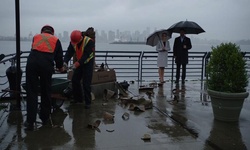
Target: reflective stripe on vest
[(80, 51), (44, 43)]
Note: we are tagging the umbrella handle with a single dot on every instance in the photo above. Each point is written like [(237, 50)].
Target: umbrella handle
[(160, 40)]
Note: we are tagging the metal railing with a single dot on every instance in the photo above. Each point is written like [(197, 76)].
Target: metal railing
[(247, 58), (195, 67), (142, 66), (131, 65), (126, 64)]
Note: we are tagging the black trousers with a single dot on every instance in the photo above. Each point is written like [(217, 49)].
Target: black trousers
[(38, 80), (178, 68), (81, 83)]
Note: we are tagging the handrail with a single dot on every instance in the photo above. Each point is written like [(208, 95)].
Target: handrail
[(194, 68), (126, 63), (135, 65)]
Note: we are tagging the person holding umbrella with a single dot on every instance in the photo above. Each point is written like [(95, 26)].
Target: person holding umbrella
[(181, 46), (162, 48)]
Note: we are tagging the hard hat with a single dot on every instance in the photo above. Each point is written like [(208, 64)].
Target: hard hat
[(75, 36), (47, 29)]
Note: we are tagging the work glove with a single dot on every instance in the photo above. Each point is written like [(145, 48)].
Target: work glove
[(65, 66), (62, 70), (75, 65)]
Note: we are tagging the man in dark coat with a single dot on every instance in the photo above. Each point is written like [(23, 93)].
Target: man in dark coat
[(181, 46)]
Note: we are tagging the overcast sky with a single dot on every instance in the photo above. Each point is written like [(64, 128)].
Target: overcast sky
[(221, 19)]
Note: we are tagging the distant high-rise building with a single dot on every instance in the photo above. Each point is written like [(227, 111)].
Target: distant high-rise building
[(60, 36), (30, 36), (117, 34), (111, 36), (104, 36), (65, 36), (148, 31)]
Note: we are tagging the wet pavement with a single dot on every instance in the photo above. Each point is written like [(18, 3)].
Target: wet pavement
[(179, 119)]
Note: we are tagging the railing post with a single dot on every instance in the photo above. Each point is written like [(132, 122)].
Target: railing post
[(18, 98), (140, 66), (202, 69), (172, 74)]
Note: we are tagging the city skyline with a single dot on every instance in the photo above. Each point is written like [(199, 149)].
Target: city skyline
[(126, 36), (224, 20), (101, 35)]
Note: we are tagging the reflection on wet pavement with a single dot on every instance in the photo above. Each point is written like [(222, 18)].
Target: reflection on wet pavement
[(46, 138), (232, 138), (172, 116)]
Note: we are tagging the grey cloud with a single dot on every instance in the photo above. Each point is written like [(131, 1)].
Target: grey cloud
[(222, 19)]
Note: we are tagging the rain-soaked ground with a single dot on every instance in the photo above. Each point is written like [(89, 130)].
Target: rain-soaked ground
[(170, 124)]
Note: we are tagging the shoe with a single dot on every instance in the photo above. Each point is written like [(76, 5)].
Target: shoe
[(87, 106), (75, 102), (28, 126), (46, 123)]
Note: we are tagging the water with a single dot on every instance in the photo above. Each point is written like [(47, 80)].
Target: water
[(7, 47)]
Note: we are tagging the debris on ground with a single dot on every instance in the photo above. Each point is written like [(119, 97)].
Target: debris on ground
[(146, 137), (107, 94), (110, 130), (108, 116), (125, 116), (122, 91), (133, 102), (104, 104), (146, 88), (153, 84), (95, 125)]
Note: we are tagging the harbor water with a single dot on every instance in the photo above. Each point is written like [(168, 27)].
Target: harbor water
[(9, 47), (184, 124)]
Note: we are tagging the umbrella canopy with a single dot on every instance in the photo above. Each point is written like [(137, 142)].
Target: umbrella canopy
[(190, 27), (153, 39)]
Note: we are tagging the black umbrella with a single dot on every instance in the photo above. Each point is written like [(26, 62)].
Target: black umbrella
[(153, 39), (2, 57), (190, 27)]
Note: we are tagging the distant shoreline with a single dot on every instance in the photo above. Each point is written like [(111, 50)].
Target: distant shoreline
[(131, 42), (241, 42)]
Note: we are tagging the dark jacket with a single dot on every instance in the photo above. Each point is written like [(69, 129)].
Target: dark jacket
[(89, 48), (180, 53), (48, 58)]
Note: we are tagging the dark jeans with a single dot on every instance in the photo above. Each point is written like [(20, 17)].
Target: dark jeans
[(178, 68), (81, 83), (38, 80)]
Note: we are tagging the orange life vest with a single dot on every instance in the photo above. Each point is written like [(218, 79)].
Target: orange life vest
[(80, 50), (44, 42)]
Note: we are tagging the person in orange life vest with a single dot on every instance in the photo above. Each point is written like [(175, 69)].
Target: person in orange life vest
[(84, 48), (46, 49)]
